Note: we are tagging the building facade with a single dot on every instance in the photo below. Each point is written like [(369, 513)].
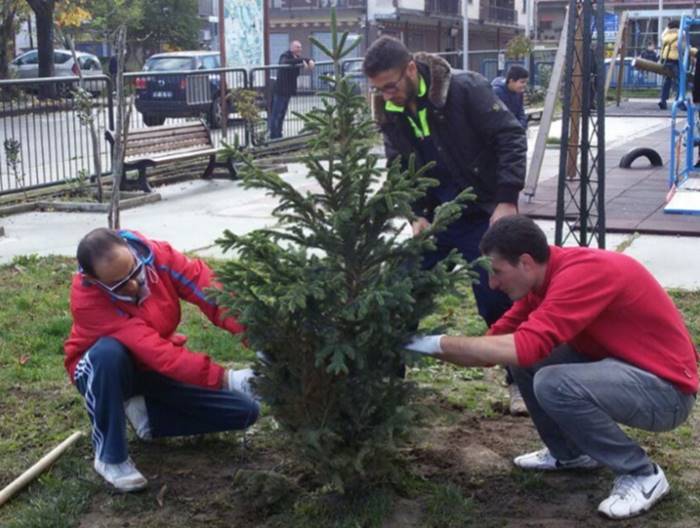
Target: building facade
[(423, 25)]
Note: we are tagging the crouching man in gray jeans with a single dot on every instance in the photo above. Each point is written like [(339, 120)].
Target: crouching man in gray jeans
[(595, 342)]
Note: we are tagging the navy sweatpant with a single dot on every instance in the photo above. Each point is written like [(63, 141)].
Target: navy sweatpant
[(106, 377)]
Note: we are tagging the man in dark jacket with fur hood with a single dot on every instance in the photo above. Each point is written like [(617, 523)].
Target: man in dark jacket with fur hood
[(454, 119)]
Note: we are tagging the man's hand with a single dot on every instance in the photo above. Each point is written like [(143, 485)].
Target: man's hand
[(419, 224), (309, 64), (501, 210), (428, 345)]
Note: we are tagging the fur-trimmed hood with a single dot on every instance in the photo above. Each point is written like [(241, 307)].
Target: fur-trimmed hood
[(439, 73)]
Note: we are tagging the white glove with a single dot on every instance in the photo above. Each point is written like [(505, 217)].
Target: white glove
[(429, 345), (239, 380)]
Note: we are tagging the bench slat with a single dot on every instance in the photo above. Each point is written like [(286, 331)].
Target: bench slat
[(137, 150), (149, 133), (173, 156)]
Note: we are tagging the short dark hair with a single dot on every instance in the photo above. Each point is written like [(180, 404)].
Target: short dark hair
[(513, 236), (673, 24), (385, 53), (97, 244), (515, 73)]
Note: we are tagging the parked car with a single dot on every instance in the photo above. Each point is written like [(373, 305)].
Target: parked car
[(160, 95), (26, 66)]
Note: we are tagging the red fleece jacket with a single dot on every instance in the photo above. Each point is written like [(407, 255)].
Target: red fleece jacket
[(604, 304), (148, 330)]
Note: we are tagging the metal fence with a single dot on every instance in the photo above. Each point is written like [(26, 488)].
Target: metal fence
[(52, 146), (41, 138)]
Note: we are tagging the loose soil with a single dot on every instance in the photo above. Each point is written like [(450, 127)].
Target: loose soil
[(194, 483)]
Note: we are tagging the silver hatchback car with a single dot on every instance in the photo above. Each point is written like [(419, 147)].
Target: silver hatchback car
[(26, 66)]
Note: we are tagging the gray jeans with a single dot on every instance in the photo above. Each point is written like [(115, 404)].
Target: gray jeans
[(576, 405)]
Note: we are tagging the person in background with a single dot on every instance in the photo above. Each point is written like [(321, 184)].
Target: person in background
[(451, 118), (510, 90), (286, 86), (126, 359), (650, 52), (669, 58)]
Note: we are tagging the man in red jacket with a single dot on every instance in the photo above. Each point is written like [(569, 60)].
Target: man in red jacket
[(594, 341), (126, 360)]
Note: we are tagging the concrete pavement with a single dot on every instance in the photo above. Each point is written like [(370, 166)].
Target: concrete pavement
[(192, 215)]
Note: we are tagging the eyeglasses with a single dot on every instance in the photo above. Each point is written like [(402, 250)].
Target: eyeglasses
[(135, 273), (392, 87)]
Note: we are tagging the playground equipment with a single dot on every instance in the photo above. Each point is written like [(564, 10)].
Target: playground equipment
[(683, 196)]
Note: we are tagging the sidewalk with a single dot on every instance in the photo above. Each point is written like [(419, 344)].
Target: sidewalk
[(192, 215)]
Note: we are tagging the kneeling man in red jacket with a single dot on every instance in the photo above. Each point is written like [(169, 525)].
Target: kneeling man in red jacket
[(126, 359), (594, 341)]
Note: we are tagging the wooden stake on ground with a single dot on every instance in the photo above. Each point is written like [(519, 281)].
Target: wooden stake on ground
[(38, 468)]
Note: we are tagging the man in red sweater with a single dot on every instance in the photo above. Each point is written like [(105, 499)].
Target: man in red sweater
[(125, 358), (594, 341)]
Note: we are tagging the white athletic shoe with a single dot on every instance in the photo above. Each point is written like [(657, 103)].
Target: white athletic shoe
[(135, 409), (125, 477), (633, 495), (543, 460)]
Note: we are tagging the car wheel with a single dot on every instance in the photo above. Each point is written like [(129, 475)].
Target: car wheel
[(153, 120), (214, 118)]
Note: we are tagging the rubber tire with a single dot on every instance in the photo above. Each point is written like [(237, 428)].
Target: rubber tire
[(153, 119), (646, 152)]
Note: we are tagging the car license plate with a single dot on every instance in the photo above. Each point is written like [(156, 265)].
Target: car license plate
[(162, 95)]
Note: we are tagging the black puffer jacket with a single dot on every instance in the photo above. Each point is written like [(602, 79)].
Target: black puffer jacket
[(480, 141)]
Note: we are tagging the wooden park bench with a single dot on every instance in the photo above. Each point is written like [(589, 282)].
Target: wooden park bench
[(158, 145)]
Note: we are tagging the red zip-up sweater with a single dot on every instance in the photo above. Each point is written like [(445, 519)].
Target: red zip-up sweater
[(604, 304), (148, 330)]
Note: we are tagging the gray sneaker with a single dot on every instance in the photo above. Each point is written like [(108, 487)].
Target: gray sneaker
[(543, 460)]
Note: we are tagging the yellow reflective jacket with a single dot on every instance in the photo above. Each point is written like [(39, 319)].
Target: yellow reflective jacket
[(669, 44)]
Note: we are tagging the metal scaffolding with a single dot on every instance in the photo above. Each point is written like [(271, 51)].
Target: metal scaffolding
[(581, 189)]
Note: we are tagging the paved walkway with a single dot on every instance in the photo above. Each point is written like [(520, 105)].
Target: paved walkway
[(194, 214)]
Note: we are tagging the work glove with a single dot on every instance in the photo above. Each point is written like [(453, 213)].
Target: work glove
[(239, 380), (428, 345)]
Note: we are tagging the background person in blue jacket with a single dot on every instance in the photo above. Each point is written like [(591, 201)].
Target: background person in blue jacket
[(510, 90)]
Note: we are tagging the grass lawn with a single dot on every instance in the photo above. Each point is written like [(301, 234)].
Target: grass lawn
[(456, 468)]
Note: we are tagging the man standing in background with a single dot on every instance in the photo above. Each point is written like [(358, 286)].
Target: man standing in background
[(286, 86)]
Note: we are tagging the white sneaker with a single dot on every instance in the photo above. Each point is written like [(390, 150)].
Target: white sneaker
[(543, 460), (634, 494), (135, 409), (125, 477)]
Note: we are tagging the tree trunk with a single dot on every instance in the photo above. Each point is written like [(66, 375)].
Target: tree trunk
[(7, 36), (97, 162), (121, 132), (44, 10)]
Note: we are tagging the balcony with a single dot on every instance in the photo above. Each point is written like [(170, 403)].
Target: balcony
[(442, 7), (298, 5), (498, 15)]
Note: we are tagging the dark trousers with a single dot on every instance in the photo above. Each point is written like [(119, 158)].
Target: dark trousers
[(465, 237), (106, 378), (670, 81), (277, 113)]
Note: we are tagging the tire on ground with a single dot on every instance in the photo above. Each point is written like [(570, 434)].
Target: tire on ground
[(646, 152)]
